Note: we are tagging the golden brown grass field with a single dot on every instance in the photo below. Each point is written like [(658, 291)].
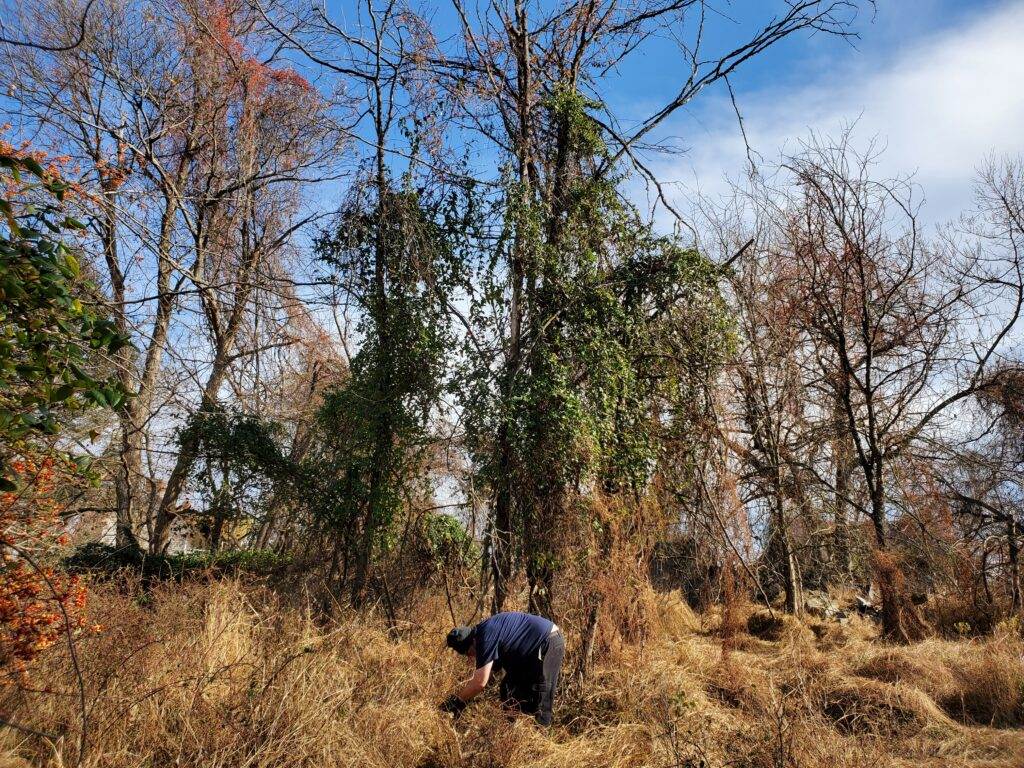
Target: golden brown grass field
[(218, 675)]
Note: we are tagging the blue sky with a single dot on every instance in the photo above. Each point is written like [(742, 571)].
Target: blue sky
[(939, 84), (891, 27), (936, 82)]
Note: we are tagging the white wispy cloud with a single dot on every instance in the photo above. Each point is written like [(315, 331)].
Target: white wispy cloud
[(939, 107)]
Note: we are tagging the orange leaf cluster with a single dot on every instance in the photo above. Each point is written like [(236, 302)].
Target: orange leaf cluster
[(253, 77), (38, 605)]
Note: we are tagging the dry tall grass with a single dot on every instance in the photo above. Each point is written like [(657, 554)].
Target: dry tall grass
[(217, 675)]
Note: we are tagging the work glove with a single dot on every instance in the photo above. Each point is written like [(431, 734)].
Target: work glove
[(453, 705)]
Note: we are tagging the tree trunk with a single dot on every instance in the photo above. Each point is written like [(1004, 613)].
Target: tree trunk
[(383, 433), (841, 556), (790, 569), (900, 620), (501, 527), (216, 532), (541, 549), (984, 577), (129, 468), (226, 336), (586, 663), (129, 454), (886, 569), (364, 552), (502, 560), (187, 454), (135, 413), (266, 529), (1013, 548)]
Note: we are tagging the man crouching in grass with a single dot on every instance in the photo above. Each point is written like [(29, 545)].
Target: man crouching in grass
[(528, 648)]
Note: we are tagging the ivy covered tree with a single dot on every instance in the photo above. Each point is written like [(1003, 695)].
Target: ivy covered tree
[(620, 327), (394, 253), (241, 470)]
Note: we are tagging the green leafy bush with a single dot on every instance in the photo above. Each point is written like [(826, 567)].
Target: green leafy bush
[(48, 335), (97, 558)]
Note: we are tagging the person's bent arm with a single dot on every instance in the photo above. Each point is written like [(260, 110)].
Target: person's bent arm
[(476, 683)]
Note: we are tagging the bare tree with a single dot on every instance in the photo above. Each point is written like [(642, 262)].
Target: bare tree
[(773, 402), (262, 135), (903, 329), (183, 130)]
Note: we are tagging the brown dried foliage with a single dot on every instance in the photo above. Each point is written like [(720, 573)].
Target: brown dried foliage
[(221, 675)]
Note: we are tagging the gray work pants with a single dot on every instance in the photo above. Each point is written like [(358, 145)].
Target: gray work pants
[(531, 687)]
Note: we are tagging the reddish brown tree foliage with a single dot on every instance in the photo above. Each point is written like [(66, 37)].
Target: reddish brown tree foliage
[(38, 604)]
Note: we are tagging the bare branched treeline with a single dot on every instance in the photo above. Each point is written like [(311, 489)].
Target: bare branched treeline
[(876, 370), (193, 146)]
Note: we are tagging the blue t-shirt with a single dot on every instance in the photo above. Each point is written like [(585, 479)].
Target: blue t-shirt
[(509, 639)]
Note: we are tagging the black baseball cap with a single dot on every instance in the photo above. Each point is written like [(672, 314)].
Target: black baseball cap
[(460, 639)]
